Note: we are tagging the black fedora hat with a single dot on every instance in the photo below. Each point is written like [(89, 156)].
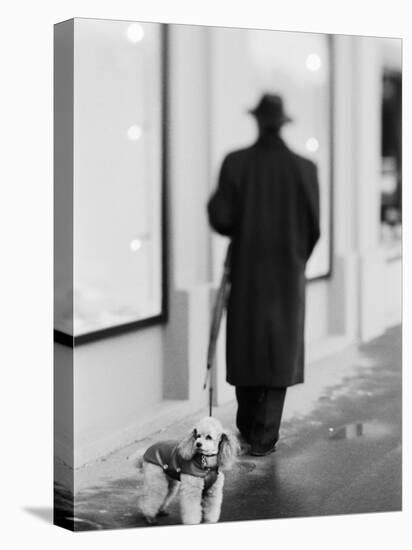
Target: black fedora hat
[(270, 107)]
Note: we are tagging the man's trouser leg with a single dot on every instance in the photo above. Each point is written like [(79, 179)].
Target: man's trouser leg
[(259, 415), (247, 400)]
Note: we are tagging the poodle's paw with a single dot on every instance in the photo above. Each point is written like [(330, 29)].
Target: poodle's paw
[(162, 513), (210, 520), (150, 520), (191, 521)]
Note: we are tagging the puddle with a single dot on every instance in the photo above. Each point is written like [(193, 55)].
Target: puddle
[(357, 430), (366, 362), (246, 467)]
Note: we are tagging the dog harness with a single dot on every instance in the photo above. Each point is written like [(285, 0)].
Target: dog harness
[(166, 455)]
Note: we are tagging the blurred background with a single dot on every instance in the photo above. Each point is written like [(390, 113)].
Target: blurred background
[(152, 112)]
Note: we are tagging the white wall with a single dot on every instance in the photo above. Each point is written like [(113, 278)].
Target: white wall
[(393, 292), (189, 162), (117, 384), (189, 177)]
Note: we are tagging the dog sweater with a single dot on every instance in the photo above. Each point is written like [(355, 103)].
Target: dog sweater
[(166, 455)]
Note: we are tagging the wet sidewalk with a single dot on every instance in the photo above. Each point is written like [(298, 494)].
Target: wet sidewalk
[(339, 453)]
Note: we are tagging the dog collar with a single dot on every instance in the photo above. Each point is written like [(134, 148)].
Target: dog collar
[(206, 461)]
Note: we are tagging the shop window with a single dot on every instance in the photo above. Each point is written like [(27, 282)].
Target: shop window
[(391, 148), (118, 272), (298, 66)]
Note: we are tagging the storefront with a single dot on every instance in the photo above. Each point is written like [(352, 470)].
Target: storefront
[(115, 386)]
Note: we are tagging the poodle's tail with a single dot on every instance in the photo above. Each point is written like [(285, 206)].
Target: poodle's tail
[(136, 459)]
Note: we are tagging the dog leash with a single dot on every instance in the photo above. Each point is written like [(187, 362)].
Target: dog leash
[(219, 307)]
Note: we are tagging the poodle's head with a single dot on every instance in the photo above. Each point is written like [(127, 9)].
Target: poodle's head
[(209, 438)]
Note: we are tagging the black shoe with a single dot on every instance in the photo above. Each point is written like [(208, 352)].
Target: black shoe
[(244, 445), (257, 452)]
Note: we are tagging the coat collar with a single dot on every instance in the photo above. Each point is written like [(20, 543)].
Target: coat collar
[(271, 140)]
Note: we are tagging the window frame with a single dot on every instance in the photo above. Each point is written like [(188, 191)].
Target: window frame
[(332, 72), (67, 339)]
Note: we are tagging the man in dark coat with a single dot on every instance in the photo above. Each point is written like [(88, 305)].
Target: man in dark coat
[(267, 202)]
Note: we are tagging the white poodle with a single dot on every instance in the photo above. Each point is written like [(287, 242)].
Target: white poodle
[(195, 466)]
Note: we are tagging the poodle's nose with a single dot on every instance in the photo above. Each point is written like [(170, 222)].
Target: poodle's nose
[(198, 444)]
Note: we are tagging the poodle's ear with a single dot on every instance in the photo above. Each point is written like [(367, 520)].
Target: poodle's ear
[(228, 450), (186, 447)]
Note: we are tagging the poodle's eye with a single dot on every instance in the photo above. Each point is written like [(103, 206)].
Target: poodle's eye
[(209, 437)]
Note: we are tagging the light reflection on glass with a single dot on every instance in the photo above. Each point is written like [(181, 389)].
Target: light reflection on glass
[(135, 245), (134, 132), (313, 62), (135, 33), (312, 145)]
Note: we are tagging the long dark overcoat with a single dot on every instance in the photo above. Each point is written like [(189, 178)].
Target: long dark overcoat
[(267, 202)]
